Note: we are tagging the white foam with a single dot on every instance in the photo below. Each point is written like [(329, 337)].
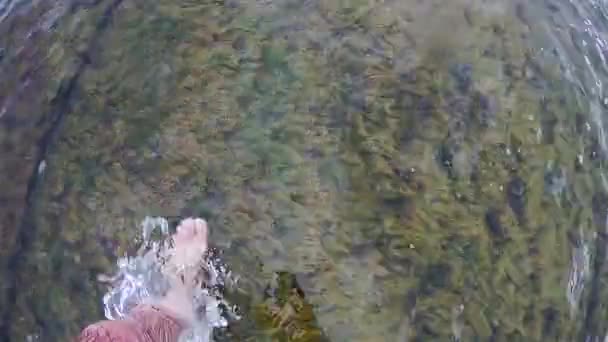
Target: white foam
[(140, 279)]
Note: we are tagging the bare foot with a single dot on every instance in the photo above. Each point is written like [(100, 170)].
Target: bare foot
[(190, 244), (184, 266)]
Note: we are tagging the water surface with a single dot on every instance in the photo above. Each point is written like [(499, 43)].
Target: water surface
[(374, 170)]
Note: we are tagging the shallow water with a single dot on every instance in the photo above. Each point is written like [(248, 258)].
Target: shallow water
[(373, 170)]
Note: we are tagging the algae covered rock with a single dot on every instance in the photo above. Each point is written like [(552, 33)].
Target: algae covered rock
[(286, 313), (412, 165)]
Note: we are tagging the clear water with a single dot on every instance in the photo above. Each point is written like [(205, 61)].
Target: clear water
[(373, 170)]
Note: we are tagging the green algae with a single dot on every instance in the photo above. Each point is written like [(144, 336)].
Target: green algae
[(394, 177), (286, 314)]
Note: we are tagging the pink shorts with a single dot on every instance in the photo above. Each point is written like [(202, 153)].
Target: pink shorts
[(146, 323)]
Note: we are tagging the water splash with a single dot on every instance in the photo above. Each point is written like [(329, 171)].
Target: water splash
[(141, 278)]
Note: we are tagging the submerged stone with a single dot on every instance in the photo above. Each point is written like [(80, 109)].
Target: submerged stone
[(312, 122), (463, 76), (548, 122), (436, 276), (445, 158), (494, 225), (516, 197), (484, 109), (599, 207)]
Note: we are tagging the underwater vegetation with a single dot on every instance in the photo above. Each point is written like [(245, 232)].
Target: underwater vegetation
[(370, 170)]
